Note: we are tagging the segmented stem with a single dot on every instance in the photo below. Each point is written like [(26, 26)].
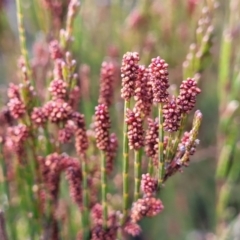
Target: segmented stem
[(85, 217), (168, 149), (150, 167), (160, 144), (179, 135), (125, 162), (104, 188), (22, 38), (137, 173)]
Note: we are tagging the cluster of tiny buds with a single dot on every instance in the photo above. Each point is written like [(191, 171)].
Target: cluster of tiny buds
[(65, 134), (151, 139), (172, 116), (38, 116), (135, 129), (148, 185), (112, 152), (132, 229), (106, 84), (102, 126), (187, 97), (145, 207), (129, 74), (16, 106), (58, 89), (159, 78), (55, 50), (143, 91), (57, 111)]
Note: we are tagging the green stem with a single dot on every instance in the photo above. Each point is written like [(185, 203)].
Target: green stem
[(160, 144), (179, 135), (22, 38), (104, 188), (168, 149), (85, 217), (137, 173), (150, 167), (125, 163)]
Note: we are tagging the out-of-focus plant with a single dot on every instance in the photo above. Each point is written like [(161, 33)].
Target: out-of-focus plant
[(228, 171), (45, 135)]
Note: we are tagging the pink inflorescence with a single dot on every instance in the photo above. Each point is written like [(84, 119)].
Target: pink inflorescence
[(148, 185), (132, 229), (145, 207), (187, 97), (106, 84), (102, 126), (57, 111), (135, 129), (129, 74), (58, 89), (151, 139), (159, 78), (38, 116), (111, 152), (172, 116), (143, 91)]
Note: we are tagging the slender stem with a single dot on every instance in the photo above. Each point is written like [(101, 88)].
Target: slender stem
[(160, 144), (137, 173), (85, 217), (168, 149), (150, 167), (22, 38), (125, 163), (104, 188), (179, 135)]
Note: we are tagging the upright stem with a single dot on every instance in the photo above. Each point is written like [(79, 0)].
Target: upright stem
[(137, 173), (104, 188), (85, 217), (150, 167), (168, 149), (22, 38), (179, 134), (125, 162), (160, 144)]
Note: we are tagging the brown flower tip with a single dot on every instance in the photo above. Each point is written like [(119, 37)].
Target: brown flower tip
[(38, 116), (132, 229), (81, 139), (143, 91), (172, 116), (58, 89), (112, 152), (145, 207), (102, 126), (151, 139), (55, 50), (187, 97), (135, 129), (129, 73), (106, 84), (74, 177), (159, 77), (149, 184), (57, 110)]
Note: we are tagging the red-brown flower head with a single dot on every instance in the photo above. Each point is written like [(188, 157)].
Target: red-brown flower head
[(129, 73), (102, 126), (58, 89), (106, 84), (38, 116), (172, 116), (159, 77), (57, 110), (143, 91), (148, 185), (111, 152), (135, 129), (132, 229), (188, 93), (16, 107)]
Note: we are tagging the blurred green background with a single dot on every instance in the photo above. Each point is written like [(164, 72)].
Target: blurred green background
[(106, 29)]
